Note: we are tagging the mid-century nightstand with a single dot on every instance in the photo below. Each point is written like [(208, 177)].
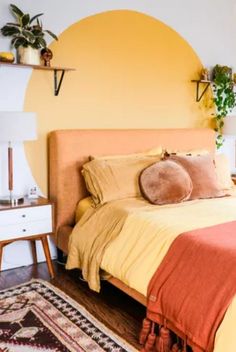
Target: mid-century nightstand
[(31, 220)]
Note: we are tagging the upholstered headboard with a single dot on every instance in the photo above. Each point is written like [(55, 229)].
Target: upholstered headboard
[(70, 149)]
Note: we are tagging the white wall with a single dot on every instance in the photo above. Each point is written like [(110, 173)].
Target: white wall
[(209, 27)]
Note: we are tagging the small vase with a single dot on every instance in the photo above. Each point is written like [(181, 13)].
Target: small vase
[(28, 56)]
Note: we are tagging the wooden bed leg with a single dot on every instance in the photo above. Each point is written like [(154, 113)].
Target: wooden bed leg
[(61, 258)]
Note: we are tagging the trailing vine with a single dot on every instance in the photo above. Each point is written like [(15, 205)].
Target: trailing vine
[(224, 98)]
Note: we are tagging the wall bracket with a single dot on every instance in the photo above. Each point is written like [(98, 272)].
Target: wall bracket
[(57, 80), (57, 83), (205, 84)]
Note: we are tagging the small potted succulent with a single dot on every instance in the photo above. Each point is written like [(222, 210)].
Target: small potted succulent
[(27, 36)]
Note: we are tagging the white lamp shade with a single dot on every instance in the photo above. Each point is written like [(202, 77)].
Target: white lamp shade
[(229, 126), (17, 126)]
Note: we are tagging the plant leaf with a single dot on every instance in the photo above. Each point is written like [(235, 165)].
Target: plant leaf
[(51, 34), (16, 11), (34, 17), (9, 30), (29, 36), (42, 43), (37, 32), (12, 24), (25, 20), (19, 42)]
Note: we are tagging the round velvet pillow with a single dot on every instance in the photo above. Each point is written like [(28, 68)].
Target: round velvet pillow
[(165, 182)]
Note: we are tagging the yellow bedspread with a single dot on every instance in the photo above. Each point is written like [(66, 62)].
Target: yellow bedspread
[(131, 237)]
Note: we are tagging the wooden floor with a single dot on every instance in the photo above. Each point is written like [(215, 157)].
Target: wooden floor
[(112, 307)]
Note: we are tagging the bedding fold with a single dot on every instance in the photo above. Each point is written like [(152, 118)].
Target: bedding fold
[(95, 232)]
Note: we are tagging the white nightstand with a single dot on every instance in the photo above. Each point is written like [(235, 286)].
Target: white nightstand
[(31, 220)]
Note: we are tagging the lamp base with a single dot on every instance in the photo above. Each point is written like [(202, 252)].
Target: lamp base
[(13, 200)]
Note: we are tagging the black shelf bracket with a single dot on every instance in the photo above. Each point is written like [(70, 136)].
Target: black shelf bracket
[(58, 81), (206, 84)]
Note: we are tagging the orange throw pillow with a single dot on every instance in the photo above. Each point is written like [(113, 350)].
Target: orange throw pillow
[(165, 182), (202, 171)]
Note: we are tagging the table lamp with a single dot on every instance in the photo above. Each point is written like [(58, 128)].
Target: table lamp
[(15, 127)]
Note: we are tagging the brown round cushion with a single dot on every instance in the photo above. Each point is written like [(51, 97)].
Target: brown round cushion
[(165, 182)]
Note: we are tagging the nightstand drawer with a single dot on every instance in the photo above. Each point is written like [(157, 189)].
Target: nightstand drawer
[(22, 215), (25, 229)]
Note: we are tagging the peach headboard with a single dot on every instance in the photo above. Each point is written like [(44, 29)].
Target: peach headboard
[(69, 150)]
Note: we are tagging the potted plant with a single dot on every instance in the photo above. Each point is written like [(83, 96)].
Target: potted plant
[(27, 36), (224, 98)]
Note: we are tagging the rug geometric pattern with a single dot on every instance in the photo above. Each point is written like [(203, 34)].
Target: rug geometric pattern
[(37, 316)]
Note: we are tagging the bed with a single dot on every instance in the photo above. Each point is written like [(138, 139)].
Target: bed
[(70, 149)]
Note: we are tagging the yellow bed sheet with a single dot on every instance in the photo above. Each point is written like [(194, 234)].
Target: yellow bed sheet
[(135, 254)]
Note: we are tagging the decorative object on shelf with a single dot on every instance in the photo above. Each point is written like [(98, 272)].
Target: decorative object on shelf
[(28, 55), (224, 98), (27, 32), (7, 57), (205, 74), (46, 55), (15, 127), (221, 70)]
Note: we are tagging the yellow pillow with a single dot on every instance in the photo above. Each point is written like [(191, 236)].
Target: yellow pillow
[(83, 205), (154, 151), (223, 172), (117, 178)]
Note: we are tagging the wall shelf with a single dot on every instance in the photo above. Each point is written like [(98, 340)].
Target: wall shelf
[(57, 70), (201, 82)]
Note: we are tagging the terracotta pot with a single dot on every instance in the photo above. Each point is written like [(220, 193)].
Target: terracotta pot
[(28, 55)]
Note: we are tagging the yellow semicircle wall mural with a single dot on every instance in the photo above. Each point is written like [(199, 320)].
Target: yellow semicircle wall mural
[(132, 71)]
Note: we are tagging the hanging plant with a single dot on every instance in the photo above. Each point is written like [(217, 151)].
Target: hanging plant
[(224, 98)]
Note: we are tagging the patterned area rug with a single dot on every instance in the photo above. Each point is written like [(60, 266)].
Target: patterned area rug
[(37, 316)]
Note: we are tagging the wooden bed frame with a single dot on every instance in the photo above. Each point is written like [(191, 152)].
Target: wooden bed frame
[(70, 149)]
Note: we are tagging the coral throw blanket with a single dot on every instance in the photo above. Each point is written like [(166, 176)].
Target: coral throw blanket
[(191, 290)]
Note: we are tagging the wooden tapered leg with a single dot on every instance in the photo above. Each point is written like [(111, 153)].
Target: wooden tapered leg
[(44, 241), (34, 251)]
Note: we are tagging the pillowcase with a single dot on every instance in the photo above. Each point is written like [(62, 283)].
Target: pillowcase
[(165, 182), (201, 170), (221, 163), (154, 151), (193, 152), (112, 179), (223, 172), (83, 205)]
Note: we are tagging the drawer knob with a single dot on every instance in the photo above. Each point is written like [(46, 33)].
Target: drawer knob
[(23, 216), (24, 230)]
